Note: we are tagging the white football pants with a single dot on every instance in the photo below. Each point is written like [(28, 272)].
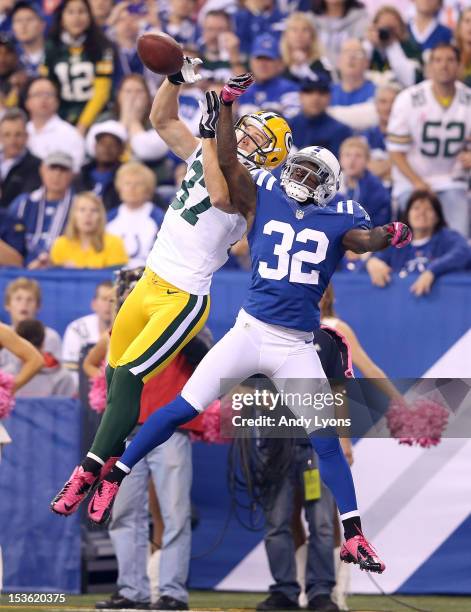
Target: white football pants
[(286, 356)]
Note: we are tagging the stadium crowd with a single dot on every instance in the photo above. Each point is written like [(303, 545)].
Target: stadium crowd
[(85, 179)]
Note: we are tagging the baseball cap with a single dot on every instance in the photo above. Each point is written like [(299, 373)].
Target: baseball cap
[(266, 45), (59, 158), (112, 127), (322, 85)]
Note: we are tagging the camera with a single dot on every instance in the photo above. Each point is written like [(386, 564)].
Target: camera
[(385, 34)]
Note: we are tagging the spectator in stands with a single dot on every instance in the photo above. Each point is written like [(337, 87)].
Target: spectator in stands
[(255, 18), (219, 48), (74, 37), (435, 250), (105, 145), (85, 243), (359, 184), (28, 27), (338, 21), (18, 167), (137, 220), (12, 76), (23, 301), (29, 359), (47, 132), (125, 24), (380, 162), (313, 125), (393, 49), (463, 41), (101, 11), (429, 134), (12, 240), (271, 90), (132, 109), (301, 51), (179, 22), (53, 378), (44, 212), (425, 27), (353, 97), (87, 330)]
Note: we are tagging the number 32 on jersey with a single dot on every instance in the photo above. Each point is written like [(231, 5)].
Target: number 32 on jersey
[(292, 263)]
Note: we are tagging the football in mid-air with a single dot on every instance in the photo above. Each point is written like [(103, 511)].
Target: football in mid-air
[(160, 52)]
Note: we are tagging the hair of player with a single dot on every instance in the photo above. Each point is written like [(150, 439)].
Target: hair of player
[(327, 303), (25, 284), (444, 45), (14, 114), (355, 142), (320, 6), (388, 9), (95, 40), (72, 232), (422, 194), (135, 168), (106, 284), (33, 331), (315, 50)]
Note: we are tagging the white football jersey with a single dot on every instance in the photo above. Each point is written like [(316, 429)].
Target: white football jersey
[(431, 135), (195, 237)]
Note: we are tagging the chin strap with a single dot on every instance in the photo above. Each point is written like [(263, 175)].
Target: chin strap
[(300, 193)]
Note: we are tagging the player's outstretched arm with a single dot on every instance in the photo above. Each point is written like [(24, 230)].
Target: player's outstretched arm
[(213, 177), (364, 241), (242, 190), (164, 112)]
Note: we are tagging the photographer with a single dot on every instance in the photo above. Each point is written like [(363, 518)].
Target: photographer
[(392, 49)]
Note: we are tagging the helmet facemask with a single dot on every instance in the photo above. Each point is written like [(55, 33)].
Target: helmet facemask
[(295, 178), (258, 156)]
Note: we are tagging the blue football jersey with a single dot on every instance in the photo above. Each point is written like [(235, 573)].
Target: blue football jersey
[(295, 250)]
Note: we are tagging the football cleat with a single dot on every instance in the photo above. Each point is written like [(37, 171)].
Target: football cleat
[(99, 508), (106, 469), (74, 491), (359, 551)]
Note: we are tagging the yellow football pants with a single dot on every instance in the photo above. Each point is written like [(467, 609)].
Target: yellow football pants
[(152, 326)]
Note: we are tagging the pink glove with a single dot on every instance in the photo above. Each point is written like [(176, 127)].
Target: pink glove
[(399, 234), (236, 87)]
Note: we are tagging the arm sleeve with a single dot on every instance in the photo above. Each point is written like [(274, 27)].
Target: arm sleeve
[(399, 137), (357, 116), (101, 95), (405, 69), (457, 256)]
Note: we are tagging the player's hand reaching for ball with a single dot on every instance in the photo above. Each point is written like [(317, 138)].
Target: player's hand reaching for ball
[(379, 271), (209, 115), (399, 234), (188, 72), (235, 87)]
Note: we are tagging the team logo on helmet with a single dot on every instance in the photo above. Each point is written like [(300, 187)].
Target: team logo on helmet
[(274, 149)]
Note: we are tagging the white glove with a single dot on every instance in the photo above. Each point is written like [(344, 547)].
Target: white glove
[(187, 74)]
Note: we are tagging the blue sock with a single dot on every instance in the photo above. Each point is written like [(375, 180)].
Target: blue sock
[(157, 429), (335, 472)]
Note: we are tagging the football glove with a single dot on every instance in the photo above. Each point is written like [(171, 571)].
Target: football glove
[(236, 87), (399, 234), (187, 74), (209, 115)]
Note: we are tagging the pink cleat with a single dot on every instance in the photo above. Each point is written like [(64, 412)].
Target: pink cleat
[(73, 492), (359, 551), (99, 508), (106, 469)]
